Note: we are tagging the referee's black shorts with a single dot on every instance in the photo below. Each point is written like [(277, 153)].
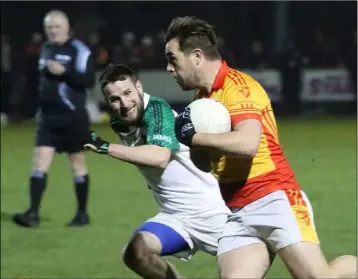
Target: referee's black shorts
[(65, 132)]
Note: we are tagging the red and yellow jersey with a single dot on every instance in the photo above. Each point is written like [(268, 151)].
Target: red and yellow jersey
[(243, 181)]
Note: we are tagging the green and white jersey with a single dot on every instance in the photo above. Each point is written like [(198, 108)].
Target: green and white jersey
[(159, 122), (157, 127), (181, 188)]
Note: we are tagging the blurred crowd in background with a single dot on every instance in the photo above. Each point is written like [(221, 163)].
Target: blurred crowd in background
[(318, 35)]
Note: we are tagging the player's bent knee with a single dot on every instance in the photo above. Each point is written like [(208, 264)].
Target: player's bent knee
[(138, 250), (344, 267), (224, 274), (134, 254)]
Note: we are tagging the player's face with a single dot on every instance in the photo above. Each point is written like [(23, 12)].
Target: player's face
[(126, 100), (56, 28), (181, 66)]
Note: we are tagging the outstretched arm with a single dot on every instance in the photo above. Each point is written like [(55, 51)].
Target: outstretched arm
[(147, 155), (160, 139)]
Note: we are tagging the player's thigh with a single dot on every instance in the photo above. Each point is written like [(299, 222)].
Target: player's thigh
[(141, 246), (172, 234), (294, 219), (241, 253), (305, 260), (295, 237), (205, 232), (249, 261), (141, 243)]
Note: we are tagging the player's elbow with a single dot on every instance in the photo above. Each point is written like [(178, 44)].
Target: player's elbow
[(249, 137), (162, 164), (163, 159), (247, 153), (247, 149), (250, 152)]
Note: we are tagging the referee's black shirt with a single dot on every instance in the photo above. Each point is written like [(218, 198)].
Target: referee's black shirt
[(65, 93)]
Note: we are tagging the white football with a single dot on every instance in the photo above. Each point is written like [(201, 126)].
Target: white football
[(210, 116)]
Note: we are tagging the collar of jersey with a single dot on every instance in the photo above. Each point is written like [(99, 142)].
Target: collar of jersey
[(145, 99), (220, 77)]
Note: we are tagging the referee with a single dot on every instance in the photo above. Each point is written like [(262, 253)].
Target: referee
[(66, 70)]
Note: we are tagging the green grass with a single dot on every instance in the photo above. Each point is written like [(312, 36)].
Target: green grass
[(322, 152)]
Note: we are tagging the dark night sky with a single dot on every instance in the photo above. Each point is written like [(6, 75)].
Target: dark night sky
[(234, 20)]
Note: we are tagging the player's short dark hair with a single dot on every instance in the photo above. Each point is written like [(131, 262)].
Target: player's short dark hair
[(116, 72), (192, 32)]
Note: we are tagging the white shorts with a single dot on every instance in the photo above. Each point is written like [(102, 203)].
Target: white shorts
[(200, 233), (279, 219)]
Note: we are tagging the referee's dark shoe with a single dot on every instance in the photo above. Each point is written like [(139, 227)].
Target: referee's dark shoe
[(27, 219), (81, 219)]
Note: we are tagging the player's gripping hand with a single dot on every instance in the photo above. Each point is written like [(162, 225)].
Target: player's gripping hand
[(184, 128), (96, 144)]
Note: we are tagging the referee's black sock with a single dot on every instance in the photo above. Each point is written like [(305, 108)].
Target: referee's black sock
[(81, 184), (37, 187)]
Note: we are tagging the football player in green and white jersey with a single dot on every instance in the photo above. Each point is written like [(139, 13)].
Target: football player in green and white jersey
[(192, 212)]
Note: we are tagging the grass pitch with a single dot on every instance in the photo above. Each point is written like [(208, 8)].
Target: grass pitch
[(322, 152)]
